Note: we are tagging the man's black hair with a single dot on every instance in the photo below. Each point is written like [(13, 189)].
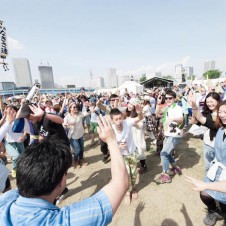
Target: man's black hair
[(171, 93), (113, 96), (83, 97), (41, 167), (115, 111)]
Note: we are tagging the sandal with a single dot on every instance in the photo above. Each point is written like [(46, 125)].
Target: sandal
[(128, 198)]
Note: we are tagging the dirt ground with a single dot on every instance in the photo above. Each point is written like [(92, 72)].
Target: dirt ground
[(174, 204)]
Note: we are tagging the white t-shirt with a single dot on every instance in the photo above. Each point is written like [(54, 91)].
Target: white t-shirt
[(147, 110), (3, 130), (126, 136), (76, 131), (93, 114), (173, 112), (13, 137)]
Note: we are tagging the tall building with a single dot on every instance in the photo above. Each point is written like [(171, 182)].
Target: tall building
[(46, 77), (179, 70), (188, 71), (22, 72), (209, 65), (112, 78), (99, 82)]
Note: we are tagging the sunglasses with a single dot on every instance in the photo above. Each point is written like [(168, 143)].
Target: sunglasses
[(75, 107), (168, 98)]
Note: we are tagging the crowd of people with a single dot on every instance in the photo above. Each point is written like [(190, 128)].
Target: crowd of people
[(45, 136)]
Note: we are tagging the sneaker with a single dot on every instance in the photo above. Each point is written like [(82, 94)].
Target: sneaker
[(177, 170), (164, 178), (211, 218), (143, 170), (13, 173), (106, 157), (171, 172), (63, 196)]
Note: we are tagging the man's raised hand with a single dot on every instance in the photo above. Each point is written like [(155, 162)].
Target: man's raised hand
[(105, 130)]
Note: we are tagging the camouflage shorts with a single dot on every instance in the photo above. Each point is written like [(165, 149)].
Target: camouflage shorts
[(131, 166)]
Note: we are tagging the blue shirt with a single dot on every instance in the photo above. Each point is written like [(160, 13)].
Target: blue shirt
[(18, 210)]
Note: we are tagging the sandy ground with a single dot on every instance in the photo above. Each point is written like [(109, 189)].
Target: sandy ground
[(173, 204)]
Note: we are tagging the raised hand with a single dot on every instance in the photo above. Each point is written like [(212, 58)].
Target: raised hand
[(37, 111), (105, 130), (191, 98), (10, 115)]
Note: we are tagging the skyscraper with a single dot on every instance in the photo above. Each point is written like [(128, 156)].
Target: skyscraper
[(178, 72), (209, 65), (99, 82), (112, 78), (188, 71), (22, 72), (46, 77)]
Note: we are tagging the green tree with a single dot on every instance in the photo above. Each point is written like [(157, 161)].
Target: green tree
[(170, 77), (143, 78), (191, 77), (212, 74)]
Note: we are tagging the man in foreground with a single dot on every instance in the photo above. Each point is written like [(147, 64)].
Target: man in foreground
[(41, 177)]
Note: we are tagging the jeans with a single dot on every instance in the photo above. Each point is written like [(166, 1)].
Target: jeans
[(169, 144), (78, 146), (208, 154), (14, 149)]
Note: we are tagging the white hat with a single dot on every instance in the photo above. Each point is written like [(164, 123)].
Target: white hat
[(134, 101), (146, 98)]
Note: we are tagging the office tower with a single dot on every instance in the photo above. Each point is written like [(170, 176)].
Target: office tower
[(22, 72), (178, 72), (46, 77), (209, 65), (188, 71), (99, 82), (112, 78)]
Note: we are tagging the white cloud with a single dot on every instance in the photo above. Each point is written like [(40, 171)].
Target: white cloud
[(14, 44), (185, 60)]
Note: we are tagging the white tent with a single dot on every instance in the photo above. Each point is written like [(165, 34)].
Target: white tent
[(131, 86)]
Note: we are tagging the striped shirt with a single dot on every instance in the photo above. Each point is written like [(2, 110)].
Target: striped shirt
[(18, 210)]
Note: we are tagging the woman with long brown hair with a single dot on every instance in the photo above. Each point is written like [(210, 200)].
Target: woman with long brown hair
[(73, 121)]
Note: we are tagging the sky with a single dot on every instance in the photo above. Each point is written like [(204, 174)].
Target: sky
[(133, 36)]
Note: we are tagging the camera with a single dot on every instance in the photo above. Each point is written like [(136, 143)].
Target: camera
[(87, 109), (173, 127)]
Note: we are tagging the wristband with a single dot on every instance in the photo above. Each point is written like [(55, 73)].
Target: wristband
[(194, 109)]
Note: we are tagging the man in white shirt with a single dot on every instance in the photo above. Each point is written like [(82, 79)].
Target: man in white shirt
[(124, 137), (172, 121)]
